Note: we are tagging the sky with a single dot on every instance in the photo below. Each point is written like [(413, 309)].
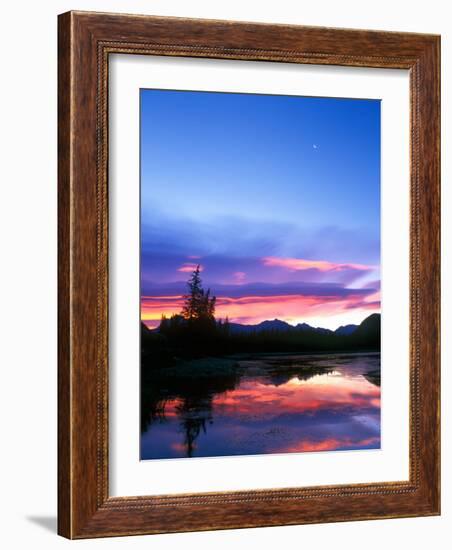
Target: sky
[(277, 198)]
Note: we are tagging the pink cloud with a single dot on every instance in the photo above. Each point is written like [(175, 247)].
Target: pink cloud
[(189, 268), (299, 264)]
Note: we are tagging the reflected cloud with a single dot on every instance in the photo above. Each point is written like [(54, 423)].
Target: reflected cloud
[(323, 405)]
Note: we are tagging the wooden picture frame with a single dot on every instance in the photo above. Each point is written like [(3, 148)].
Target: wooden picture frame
[(86, 40)]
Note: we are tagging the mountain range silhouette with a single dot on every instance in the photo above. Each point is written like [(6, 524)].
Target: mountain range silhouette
[(370, 325)]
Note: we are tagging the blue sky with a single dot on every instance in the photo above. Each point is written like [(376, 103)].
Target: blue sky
[(230, 180)]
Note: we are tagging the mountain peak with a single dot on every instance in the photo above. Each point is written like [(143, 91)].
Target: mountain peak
[(370, 324), (368, 332), (346, 329), (304, 326), (275, 324)]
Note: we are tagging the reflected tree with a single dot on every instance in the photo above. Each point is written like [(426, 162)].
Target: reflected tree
[(194, 414)]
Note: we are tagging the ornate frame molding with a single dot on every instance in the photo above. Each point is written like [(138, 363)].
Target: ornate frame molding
[(85, 42)]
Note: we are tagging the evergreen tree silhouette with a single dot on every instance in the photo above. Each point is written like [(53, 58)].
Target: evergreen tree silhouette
[(198, 304)]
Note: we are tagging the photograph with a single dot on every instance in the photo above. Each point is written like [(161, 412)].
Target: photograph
[(259, 274)]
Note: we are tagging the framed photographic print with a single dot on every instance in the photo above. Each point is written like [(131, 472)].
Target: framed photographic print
[(248, 275)]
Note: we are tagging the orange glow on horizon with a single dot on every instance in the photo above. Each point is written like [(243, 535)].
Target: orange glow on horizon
[(325, 311)]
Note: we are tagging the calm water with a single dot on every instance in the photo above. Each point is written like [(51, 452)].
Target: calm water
[(265, 404)]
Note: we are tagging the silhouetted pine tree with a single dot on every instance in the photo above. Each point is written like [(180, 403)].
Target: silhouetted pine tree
[(198, 305)]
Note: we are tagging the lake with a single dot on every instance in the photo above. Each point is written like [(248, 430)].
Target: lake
[(260, 404)]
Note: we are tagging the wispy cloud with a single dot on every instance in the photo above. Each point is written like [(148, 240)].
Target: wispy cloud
[(262, 289), (300, 264)]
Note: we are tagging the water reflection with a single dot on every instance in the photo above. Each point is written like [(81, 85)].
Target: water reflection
[(266, 404)]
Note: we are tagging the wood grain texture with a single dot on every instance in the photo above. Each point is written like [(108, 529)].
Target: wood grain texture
[(64, 295), (85, 42)]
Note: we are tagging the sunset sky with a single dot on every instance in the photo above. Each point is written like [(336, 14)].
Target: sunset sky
[(277, 198)]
